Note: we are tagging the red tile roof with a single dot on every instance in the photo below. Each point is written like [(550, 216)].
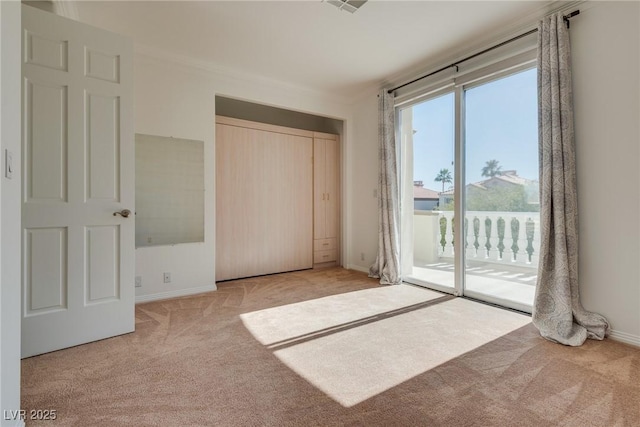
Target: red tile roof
[(424, 193)]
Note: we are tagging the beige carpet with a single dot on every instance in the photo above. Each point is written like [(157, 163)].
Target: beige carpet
[(355, 346), (331, 347)]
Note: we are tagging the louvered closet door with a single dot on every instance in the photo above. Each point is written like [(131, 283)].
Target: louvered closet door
[(263, 202)]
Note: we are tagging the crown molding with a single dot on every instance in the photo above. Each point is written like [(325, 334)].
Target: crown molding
[(435, 62), (211, 69), (65, 8)]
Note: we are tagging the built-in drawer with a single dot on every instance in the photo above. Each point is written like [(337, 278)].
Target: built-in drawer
[(325, 244), (325, 256)]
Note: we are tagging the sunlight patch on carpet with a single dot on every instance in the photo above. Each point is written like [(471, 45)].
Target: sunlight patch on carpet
[(278, 324), (354, 363)]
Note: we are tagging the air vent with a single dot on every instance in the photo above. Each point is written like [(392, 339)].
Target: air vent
[(349, 5)]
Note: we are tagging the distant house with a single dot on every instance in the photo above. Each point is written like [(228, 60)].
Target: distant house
[(507, 179), (424, 199)]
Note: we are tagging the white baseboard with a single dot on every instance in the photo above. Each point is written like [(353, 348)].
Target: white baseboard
[(358, 268), (175, 294), (625, 338)]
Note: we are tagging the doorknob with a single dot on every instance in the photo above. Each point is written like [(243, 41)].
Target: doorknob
[(124, 213)]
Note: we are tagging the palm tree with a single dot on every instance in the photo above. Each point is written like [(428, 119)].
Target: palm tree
[(491, 169), (444, 176)]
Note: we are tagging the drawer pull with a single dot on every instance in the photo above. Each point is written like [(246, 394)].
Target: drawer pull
[(325, 244)]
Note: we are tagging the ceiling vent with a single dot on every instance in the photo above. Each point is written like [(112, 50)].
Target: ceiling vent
[(349, 5)]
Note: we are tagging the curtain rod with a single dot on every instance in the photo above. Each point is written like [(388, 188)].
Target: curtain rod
[(455, 64)]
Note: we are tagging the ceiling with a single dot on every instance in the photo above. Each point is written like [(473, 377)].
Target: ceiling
[(310, 44)]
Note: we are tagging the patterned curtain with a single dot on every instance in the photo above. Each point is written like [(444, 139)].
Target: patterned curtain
[(557, 310), (387, 264)]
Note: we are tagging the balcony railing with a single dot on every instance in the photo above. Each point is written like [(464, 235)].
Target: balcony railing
[(511, 238)]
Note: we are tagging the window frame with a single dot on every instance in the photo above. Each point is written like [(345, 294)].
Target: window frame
[(458, 83)]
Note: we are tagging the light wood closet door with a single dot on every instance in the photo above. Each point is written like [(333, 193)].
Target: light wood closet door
[(326, 223), (264, 206), (319, 188), (332, 173)]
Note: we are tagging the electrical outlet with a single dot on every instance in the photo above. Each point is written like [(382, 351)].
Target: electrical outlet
[(167, 277), (138, 281), (361, 256)]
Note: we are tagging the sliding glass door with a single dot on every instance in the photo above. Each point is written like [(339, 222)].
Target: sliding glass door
[(472, 153), (427, 131), (501, 201)]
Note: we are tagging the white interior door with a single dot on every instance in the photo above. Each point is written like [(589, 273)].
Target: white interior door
[(78, 150)]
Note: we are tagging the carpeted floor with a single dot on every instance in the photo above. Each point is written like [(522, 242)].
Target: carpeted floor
[(331, 347)]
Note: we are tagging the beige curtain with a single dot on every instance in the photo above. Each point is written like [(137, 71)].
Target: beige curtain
[(557, 310), (387, 264)]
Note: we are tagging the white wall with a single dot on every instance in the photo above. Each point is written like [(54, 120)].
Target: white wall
[(10, 286), (173, 99), (606, 45), (362, 176), (605, 53)]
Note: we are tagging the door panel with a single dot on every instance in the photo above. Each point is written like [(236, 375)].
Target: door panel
[(502, 193), (78, 257), (427, 131), (47, 52), (263, 202), (103, 147), (46, 143), (103, 247), (319, 188), (331, 179), (46, 270), (102, 66)]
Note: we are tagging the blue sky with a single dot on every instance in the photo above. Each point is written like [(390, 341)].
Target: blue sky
[(501, 123)]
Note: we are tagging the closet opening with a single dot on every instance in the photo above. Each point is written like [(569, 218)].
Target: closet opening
[(278, 198)]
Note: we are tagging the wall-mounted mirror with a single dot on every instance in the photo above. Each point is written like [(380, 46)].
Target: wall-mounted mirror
[(169, 190)]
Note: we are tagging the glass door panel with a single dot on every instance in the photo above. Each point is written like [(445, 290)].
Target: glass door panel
[(501, 218), (427, 138)]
